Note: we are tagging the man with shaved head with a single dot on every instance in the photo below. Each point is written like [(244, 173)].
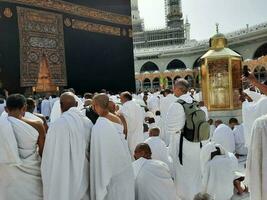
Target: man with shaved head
[(184, 153), (112, 107), (111, 172), (65, 163), (158, 147), (21, 144), (56, 110), (152, 177)]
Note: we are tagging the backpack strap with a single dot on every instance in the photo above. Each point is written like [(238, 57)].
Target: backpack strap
[(182, 102), (180, 154)]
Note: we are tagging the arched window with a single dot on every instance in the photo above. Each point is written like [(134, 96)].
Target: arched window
[(146, 84), (170, 83), (262, 74), (156, 83), (197, 63), (176, 64), (261, 51), (257, 73), (148, 67)]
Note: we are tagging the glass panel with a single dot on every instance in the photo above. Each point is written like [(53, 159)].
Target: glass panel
[(237, 83), (219, 84)]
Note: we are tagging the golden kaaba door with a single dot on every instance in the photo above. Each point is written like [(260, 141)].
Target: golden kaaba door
[(41, 33), (44, 82), (218, 85)]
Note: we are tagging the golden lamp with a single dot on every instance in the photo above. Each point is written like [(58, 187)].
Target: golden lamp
[(221, 76)]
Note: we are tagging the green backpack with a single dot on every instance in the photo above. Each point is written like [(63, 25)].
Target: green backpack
[(196, 127)]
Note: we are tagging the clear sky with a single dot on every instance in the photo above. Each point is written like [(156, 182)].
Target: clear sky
[(204, 14)]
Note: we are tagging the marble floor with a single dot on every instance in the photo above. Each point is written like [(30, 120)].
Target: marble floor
[(243, 197)]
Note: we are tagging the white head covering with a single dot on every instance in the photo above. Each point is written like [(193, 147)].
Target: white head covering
[(205, 154)]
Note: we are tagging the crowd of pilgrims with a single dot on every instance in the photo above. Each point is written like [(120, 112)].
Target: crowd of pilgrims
[(126, 146)]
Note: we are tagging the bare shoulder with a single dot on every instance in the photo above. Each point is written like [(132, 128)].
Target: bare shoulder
[(40, 116), (114, 118), (38, 125)]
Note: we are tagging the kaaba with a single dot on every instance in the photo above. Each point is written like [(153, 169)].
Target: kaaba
[(46, 45)]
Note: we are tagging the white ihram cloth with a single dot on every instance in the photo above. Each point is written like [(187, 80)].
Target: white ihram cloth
[(224, 136), (134, 118), (111, 172), (212, 129), (65, 163), (197, 96), (218, 173), (31, 116), (2, 107), (52, 101), (9, 154), (165, 103), (257, 160), (20, 176), (149, 114), (56, 110), (255, 96), (159, 150), (250, 112), (159, 123), (187, 176), (153, 180), (4, 114), (8, 144), (153, 103), (45, 108), (240, 147), (205, 109), (146, 135), (120, 128)]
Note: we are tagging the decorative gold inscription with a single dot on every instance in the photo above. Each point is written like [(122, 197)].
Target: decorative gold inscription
[(67, 22), (8, 13), (75, 9), (97, 28)]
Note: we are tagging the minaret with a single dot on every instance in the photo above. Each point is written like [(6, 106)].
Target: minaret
[(174, 14), (138, 23), (187, 26)]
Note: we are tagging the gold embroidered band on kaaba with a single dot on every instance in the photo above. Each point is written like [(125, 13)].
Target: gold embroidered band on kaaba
[(97, 28), (75, 9)]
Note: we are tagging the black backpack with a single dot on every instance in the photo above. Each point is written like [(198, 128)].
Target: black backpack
[(196, 127)]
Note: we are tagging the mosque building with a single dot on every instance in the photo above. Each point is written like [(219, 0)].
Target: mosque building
[(163, 55)]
